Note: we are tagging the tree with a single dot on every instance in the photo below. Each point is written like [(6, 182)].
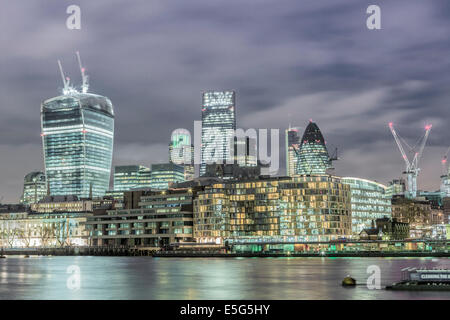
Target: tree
[(12, 232), (61, 232), (45, 231)]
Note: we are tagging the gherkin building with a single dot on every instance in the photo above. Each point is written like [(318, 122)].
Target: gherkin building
[(313, 156)]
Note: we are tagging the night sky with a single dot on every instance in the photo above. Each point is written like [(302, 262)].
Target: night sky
[(289, 61)]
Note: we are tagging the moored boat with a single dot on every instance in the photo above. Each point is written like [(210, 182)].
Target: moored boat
[(423, 280)]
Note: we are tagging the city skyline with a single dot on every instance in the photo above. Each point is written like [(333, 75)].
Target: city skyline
[(348, 97)]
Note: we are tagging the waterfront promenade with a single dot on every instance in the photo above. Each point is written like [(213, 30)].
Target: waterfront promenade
[(368, 248)]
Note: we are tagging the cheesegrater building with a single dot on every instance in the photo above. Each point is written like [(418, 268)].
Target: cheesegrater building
[(77, 138)]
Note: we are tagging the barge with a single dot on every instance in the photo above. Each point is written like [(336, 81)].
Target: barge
[(423, 280)]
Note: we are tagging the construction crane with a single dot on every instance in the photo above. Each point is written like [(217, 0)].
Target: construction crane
[(84, 77), (66, 80), (69, 89), (412, 167), (445, 177), (444, 162)]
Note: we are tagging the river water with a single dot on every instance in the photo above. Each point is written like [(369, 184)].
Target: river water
[(203, 278)]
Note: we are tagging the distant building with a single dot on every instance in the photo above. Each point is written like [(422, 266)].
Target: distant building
[(313, 157), (151, 219), (245, 152), (369, 202), (292, 145), (416, 212), (396, 187), (435, 198), (218, 127), (116, 195), (445, 184), (386, 229), (232, 171), (6, 209), (77, 138), (58, 204), (165, 174), (370, 234), (34, 188), (392, 229), (131, 177), (441, 232), (181, 152), (446, 209)]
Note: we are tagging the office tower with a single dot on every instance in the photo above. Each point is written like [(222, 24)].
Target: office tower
[(396, 187), (165, 174), (77, 138), (245, 152), (34, 188), (313, 156), (181, 152), (369, 202), (292, 145), (218, 127), (131, 177)]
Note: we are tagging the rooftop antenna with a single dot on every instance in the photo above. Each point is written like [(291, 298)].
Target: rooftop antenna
[(84, 77), (66, 80)]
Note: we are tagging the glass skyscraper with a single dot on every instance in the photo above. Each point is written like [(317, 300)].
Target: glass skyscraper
[(131, 177), (313, 156), (77, 138), (181, 152), (34, 188), (164, 174), (218, 127), (292, 140)]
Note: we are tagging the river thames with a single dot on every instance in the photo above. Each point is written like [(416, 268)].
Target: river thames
[(204, 278)]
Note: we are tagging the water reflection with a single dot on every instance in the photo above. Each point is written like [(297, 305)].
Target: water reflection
[(200, 278)]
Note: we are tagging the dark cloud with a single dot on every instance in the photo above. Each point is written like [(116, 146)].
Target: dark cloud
[(289, 61)]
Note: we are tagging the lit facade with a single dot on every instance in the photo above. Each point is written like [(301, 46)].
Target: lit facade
[(245, 152), (165, 174), (77, 138), (417, 213), (131, 177), (369, 202), (43, 230), (292, 145), (181, 152), (218, 127), (313, 155), (303, 208), (58, 204), (34, 188), (396, 187), (153, 219)]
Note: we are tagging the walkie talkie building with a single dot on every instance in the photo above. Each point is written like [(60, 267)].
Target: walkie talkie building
[(77, 138)]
